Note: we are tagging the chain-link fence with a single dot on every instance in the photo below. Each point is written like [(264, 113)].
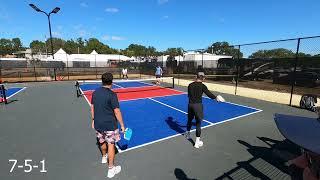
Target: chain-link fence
[(290, 67)]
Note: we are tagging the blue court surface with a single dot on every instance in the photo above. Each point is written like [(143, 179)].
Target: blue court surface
[(159, 118), (10, 92), (163, 116)]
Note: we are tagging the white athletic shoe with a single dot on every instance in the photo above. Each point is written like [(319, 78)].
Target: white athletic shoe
[(198, 144), (104, 159), (113, 171), (187, 135)]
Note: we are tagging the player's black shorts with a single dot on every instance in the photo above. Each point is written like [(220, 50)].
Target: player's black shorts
[(195, 111), (158, 76)]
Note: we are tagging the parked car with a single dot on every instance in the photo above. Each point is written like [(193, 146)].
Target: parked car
[(303, 78)]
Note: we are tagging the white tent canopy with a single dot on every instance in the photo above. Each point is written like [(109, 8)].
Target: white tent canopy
[(95, 59), (94, 52)]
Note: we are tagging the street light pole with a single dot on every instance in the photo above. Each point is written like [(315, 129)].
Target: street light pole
[(50, 34), (54, 11)]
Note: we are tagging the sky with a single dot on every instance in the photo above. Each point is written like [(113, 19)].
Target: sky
[(190, 24)]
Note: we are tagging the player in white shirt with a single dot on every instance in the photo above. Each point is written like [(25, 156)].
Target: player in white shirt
[(124, 73)]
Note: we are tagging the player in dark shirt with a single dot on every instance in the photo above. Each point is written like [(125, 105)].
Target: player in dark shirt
[(195, 107), (105, 117)]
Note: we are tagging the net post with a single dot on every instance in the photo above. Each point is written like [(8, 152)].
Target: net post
[(77, 89), (293, 79), (172, 82)]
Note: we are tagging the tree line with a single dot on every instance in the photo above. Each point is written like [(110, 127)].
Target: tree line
[(86, 46)]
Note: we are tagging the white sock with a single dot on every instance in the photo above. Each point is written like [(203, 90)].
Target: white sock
[(197, 139)]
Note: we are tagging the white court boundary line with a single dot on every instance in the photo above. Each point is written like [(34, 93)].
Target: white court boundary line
[(209, 123), (178, 134), (149, 97), (23, 88), (117, 85), (182, 92), (175, 108), (146, 97)]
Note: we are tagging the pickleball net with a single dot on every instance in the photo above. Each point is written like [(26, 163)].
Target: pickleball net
[(126, 86)]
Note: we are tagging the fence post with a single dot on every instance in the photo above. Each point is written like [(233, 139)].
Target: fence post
[(55, 74), (0, 71), (237, 64), (140, 67), (293, 78), (95, 65), (35, 73), (202, 59), (67, 66)]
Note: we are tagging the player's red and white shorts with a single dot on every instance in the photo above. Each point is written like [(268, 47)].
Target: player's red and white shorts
[(110, 137)]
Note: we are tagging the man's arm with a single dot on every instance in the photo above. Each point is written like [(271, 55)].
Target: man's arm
[(117, 112), (208, 93), (118, 115), (92, 116), (92, 110)]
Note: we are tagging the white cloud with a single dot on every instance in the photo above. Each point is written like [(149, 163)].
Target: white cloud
[(222, 20), (113, 38), (162, 1), (106, 37), (99, 19), (165, 17), (4, 14), (59, 27), (83, 33), (84, 5), (112, 10), (56, 34), (117, 38), (78, 26)]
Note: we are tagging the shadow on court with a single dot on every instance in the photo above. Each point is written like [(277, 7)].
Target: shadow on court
[(267, 162), (181, 175), (176, 126), (10, 101)]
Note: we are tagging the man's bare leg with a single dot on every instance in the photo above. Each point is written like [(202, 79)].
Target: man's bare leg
[(111, 155), (104, 149)]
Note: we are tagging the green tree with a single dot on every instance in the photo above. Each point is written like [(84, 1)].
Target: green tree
[(174, 51), (6, 46), (81, 44), (17, 45), (94, 44), (224, 48), (128, 53), (71, 47), (273, 53), (38, 46), (139, 50), (301, 54), (57, 44), (151, 51)]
